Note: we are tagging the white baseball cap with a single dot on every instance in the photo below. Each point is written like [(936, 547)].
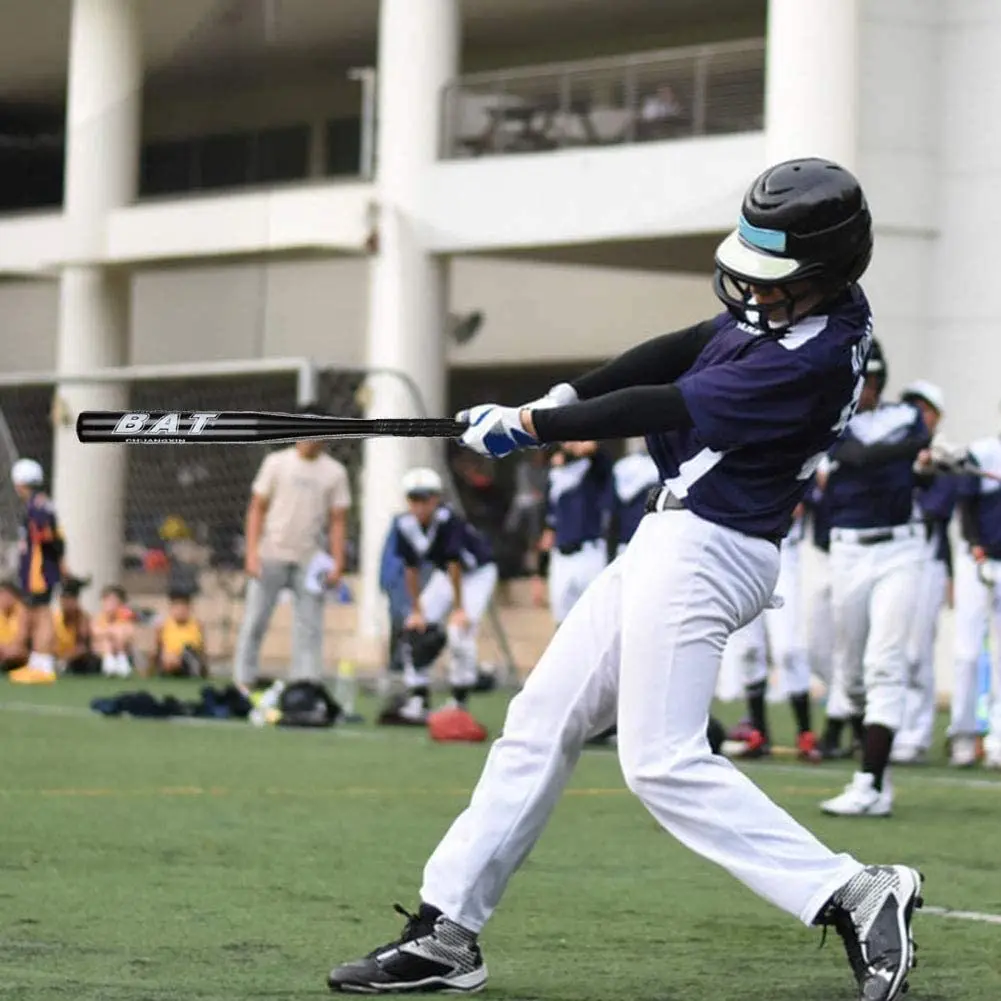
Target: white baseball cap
[(421, 481), (27, 473), (922, 389)]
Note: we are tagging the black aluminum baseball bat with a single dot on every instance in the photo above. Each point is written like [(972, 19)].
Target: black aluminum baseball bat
[(247, 427)]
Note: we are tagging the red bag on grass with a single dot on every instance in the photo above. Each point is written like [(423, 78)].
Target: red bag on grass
[(456, 725)]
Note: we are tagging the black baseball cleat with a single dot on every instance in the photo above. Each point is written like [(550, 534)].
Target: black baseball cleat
[(433, 955), (872, 913)]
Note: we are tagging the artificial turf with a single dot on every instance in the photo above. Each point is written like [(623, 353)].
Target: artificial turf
[(147, 860)]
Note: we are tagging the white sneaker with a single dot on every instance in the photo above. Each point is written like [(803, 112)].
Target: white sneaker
[(861, 799), (908, 755), (964, 752), (413, 710)]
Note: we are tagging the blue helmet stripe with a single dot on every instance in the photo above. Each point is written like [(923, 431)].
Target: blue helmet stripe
[(773, 240)]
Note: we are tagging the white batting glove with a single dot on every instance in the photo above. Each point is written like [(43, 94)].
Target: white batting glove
[(494, 430), (561, 395)]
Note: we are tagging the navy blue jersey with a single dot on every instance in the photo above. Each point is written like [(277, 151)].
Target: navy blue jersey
[(882, 494), (448, 538), (633, 477), (765, 409), (936, 503), (986, 493), (578, 499)]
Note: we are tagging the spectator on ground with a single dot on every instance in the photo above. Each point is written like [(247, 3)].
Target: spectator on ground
[(295, 532), (73, 631), (113, 631), (180, 640), (14, 623)]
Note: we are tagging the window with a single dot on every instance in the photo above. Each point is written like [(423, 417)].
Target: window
[(282, 155), (343, 147), (167, 168), (224, 161)]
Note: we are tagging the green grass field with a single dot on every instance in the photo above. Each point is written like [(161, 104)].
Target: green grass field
[(147, 861)]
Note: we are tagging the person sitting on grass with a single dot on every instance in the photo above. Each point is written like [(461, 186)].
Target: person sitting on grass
[(180, 640), (14, 628), (112, 632), (73, 629)]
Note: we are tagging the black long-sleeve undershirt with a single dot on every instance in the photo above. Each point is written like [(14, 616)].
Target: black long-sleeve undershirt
[(624, 413), (631, 395), (658, 361), (969, 519), (857, 455)]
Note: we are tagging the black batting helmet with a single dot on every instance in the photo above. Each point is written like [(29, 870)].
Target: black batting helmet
[(804, 228), (876, 365)]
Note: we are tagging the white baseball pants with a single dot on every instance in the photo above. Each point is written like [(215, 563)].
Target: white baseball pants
[(976, 602), (873, 589), (641, 649), (436, 602), (571, 573), (778, 631), (919, 700), (820, 645)]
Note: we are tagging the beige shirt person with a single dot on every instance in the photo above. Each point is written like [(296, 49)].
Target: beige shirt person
[(300, 494)]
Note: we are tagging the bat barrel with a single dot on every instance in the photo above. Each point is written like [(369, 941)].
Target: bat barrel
[(246, 427)]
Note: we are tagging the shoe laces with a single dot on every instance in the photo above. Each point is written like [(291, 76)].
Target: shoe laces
[(843, 924), (416, 926)]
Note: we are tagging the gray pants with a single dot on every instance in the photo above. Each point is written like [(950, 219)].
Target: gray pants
[(307, 623)]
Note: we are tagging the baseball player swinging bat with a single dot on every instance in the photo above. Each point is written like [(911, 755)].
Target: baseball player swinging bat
[(247, 427)]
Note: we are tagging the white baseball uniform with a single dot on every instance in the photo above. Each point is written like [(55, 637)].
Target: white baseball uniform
[(877, 550), (577, 506), (914, 738), (978, 595), (446, 540), (778, 634)]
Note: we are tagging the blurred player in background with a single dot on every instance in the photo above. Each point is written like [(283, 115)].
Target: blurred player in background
[(780, 631), (73, 628), (633, 477), (113, 631), (179, 645), (15, 627), (42, 565), (295, 531), (820, 633), (977, 599), (877, 552), (578, 503), (457, 593), (936, 501)]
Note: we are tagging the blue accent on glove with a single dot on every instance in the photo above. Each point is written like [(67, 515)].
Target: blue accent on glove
[(505, 441)]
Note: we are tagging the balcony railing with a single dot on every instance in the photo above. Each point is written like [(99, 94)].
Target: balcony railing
[(671, 94)]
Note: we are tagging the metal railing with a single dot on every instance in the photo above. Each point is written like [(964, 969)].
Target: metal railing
[(670, 94)]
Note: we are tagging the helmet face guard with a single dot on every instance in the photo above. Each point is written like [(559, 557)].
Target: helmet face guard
[(804, 234), (741, 266)]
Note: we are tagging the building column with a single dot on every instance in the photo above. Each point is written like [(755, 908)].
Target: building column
[(811, 86), (418, 56), (102, 159)]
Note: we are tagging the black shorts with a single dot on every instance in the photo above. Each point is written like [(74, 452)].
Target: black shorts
[(42, 600)]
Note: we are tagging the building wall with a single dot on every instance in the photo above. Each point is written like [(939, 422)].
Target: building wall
[(899, 71), (534, 313), (964, 352)]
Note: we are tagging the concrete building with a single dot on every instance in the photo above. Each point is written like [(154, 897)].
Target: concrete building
[(199, 181)]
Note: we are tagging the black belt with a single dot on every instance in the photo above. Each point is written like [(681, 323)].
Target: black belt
[(569, 548), (872, 540), (662, 499), (670, 502)]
